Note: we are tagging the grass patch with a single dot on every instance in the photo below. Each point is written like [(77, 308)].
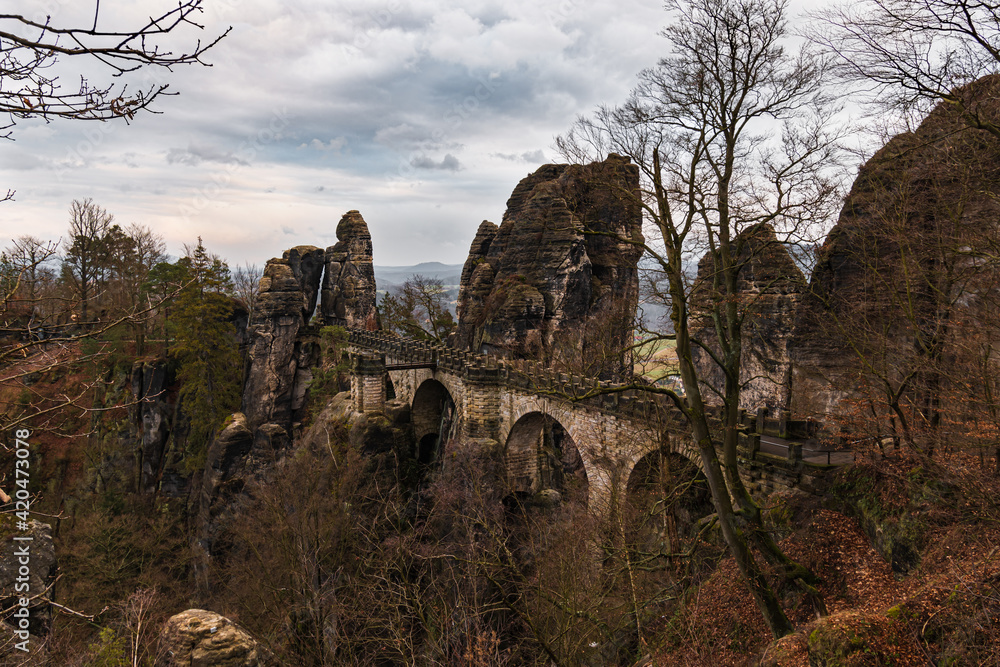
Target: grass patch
[(656, 359)]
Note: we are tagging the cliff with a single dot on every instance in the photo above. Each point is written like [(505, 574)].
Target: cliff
[(279, 361), (282, 351), (905, 269), (349, 278), (282, 347), (557, 281)]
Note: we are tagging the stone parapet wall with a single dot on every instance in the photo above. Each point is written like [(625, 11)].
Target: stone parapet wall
[(516, 374), (613, 428)]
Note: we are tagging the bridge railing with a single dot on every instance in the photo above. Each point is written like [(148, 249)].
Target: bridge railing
[(796, 436), (520, 374)]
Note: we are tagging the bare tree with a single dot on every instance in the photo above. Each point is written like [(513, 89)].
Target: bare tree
[(29, 48), (30, 254), (24, 277), (246, 286), (911, 54), (87, 251), (418, 309), (729, 133)]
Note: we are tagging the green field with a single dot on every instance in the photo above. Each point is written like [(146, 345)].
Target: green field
[(655, 359)]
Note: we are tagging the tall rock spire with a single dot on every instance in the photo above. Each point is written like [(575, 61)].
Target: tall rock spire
[(349, 280)]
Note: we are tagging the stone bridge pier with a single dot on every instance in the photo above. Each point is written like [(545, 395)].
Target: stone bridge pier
[(368, 382)]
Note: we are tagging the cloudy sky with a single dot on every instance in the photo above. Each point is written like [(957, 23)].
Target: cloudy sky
[(422, 115)]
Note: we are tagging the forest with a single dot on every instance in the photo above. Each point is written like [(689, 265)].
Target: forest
[(171, 523)]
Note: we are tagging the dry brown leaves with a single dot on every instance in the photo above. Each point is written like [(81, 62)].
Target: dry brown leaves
[(880, 618)]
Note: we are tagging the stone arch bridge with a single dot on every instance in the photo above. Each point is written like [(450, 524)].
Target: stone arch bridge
[(552, 426)]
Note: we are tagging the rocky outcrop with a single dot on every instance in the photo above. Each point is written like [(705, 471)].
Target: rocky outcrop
[(474, 288), (42, 557), (279, 358), (227, 470), (306, 263), (349, 281), (199, 638), (769, 287), (897, 275), (557, 281), (152, 413)]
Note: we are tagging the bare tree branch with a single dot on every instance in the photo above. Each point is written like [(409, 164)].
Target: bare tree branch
[(29, 47)]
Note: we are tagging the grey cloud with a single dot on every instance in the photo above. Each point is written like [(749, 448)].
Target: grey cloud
[(403, 105), (23, 161), (531, 157), (448, 163), (195, 155), (334, 145)]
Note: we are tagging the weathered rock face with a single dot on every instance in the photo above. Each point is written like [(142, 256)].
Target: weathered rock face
[(236, 457), (897, 265), (770, 287), (41, 571), (540, 287), (349, 281), (474, 289), (152, 415), (227, 468), (280, 358), (199, 638)]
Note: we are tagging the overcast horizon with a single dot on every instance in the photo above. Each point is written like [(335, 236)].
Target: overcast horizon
[(423, 117)]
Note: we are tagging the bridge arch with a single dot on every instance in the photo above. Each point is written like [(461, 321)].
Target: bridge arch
[(541, 454), (406, 382), (433, 414), (666, 495)]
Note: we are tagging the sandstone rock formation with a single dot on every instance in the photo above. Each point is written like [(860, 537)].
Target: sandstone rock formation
[(279, 360), (900, 275), (41, 571), (283, 348), (227, 470), (540, 286), (349, 280), (770, 287), (151, 414), (199, 638)]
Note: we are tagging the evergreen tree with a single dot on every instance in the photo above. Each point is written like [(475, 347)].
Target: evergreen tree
[(206, 348)]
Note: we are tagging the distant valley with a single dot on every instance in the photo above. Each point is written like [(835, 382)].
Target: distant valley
[(450, 275)]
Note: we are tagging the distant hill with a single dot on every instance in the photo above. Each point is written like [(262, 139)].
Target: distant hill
[(386, 277)]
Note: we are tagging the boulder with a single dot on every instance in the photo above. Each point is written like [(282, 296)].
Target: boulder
[(199, 638), (558, 280)]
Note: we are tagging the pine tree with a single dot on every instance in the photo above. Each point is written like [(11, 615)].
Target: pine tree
[(206, 348)]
